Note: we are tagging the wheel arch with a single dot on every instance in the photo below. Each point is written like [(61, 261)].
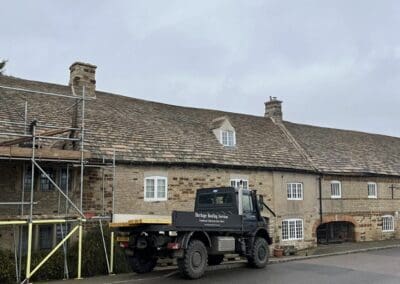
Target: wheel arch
[(263, 233), (201, 236)]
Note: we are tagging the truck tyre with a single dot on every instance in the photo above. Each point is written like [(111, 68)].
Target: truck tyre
[(142, 262), (215, 259), (259, 254), (194, 261)]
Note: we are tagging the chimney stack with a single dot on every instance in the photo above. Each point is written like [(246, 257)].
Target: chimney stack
[(83, 74), (273, 109)]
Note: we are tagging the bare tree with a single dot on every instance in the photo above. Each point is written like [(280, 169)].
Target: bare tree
[(2, 66)]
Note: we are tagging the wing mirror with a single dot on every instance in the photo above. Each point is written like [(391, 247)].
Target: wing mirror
[(261, 202)]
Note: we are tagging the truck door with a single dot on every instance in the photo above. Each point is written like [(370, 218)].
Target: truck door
[(249, 213)]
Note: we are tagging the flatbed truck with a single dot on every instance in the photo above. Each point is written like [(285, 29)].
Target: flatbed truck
[(225, 220)]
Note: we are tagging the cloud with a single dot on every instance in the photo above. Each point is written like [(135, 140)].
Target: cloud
[(333, 63)]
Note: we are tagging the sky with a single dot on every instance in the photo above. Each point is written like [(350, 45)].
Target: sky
[(332, 63)]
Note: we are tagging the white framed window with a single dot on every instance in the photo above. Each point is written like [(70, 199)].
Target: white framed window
[(292, 229), (155, 188), (372, 190), (387, 223), (295, 191), (336, 189), (236, 183), (228, 138)]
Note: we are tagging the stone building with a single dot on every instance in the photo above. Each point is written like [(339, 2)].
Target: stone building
[(324, 184)]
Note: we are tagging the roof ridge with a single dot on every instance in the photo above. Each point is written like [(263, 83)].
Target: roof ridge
[(226, 113), (341, 129)]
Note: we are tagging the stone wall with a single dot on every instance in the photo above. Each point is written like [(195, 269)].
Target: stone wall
[(365, 213), (354, 206), (306, 209), (182, 185)]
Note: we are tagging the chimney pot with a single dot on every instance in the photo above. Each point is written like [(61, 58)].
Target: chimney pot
[(273, 109)]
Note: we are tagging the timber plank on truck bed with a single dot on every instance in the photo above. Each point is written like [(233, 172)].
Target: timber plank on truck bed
[(133, 220)]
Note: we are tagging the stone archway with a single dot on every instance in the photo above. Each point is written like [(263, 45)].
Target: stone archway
[(335, 229), (335, 232)]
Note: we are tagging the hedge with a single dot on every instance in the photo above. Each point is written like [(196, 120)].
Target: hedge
[(93, 260)]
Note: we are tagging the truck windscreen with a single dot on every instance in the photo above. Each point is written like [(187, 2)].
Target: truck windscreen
[(215, 199)]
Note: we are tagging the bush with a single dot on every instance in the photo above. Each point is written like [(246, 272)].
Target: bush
[(7, 267), (93, 260), (52, 269)]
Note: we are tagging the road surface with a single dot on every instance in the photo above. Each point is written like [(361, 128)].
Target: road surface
[(382, 266)]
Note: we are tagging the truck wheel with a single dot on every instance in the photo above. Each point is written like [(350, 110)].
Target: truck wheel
[(215, 259), (194, 261), (259, 254), (142, 263)]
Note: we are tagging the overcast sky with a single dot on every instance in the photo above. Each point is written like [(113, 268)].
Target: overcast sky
[(333, 63)]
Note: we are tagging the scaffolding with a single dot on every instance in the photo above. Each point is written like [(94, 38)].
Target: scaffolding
[(72, 158)]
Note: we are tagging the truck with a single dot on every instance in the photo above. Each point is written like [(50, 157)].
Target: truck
[(225, 220)]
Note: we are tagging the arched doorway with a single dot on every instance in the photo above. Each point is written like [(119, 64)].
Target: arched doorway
[(335, 232)]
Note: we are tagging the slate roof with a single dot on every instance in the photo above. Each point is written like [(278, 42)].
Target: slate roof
[(344, 151), (144, 131)]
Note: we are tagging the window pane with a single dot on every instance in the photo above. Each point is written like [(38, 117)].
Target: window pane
[(28, 179), (299, 229), (62, 230), (335, 189), (247, 204), (236, 183), (206, 199), (292, 234), (150, 188), (285, 234), (223, 199), (387, 223), (45, 237), (289, 190), (45, 184), (63, 179), (371, 189), (230, 138), (224, 138), (161, 188)]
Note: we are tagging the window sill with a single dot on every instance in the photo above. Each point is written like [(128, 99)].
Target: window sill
[(155, 200)]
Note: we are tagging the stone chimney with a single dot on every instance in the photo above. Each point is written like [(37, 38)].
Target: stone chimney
[(273, 109), (83, 74)]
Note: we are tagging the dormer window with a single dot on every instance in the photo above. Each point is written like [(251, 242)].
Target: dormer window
[(224, 131), (228, 138)]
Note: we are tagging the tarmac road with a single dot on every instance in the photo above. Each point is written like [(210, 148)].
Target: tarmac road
[(381, 266)]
